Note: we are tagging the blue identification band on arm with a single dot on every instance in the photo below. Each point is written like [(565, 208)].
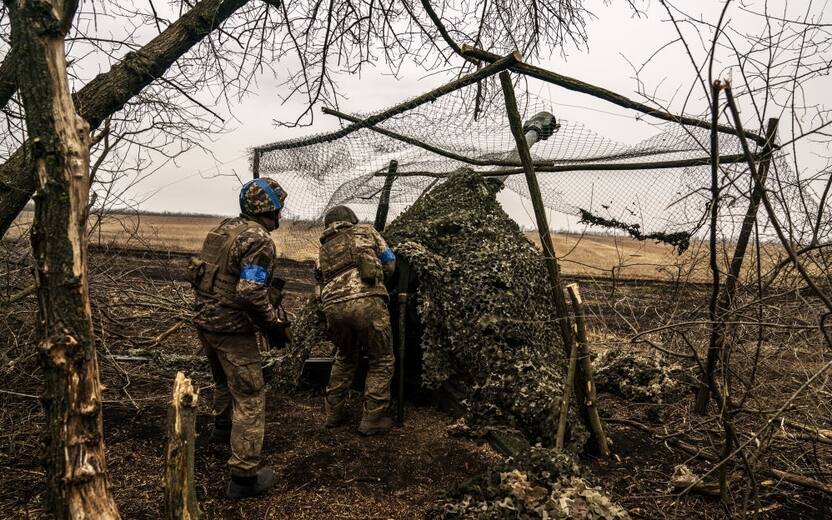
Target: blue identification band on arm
[(386, 256), (254, 273)]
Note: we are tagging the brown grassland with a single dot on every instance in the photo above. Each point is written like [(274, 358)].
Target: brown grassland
[(589, 254)]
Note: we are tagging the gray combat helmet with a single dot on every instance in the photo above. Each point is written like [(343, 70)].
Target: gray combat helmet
[(340, 214)]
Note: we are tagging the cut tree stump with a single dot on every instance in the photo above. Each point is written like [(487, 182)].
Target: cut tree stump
[(180, 495)]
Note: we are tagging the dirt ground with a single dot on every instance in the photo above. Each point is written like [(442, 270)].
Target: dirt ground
[(321, 473)]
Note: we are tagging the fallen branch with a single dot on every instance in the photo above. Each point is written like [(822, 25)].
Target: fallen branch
[(709, 456)]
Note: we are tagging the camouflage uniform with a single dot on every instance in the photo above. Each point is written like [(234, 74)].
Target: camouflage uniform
[(232, 301), (356, 311)]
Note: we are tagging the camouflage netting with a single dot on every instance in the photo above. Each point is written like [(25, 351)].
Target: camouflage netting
[(638, 378), (484, 301), (620, 191), (485, 304), (309, 339), (541, 483)]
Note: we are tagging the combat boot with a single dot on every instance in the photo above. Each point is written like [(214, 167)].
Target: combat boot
[(336, 415), (249, 486), (375, 422)]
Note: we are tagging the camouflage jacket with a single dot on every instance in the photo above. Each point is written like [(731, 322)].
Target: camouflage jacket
[(348, 285), (251, 260)]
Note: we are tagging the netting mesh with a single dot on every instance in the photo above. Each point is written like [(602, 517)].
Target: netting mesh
[(320, 174)]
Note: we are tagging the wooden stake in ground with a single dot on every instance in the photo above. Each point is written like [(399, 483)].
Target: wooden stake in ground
[(76, 474), (585, 368), (567, 395), (180, 494)]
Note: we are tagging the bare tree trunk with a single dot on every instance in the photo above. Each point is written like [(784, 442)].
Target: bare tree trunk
[(8, 81), (76, 472), (107, 93), (180, 494)]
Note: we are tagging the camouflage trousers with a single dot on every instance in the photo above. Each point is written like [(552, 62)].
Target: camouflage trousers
[(362, 321), (239, 395)]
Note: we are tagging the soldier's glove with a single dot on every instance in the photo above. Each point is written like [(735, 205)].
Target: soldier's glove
[(278, 335)]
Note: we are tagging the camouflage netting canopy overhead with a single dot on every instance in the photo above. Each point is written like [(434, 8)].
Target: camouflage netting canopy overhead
[(594, 175)]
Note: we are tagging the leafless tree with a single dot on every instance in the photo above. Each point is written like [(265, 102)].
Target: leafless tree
[(772, 215), (153, 97)]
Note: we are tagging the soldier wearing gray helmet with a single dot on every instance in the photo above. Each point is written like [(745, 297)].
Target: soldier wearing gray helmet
[(352, 262), (232, 278)]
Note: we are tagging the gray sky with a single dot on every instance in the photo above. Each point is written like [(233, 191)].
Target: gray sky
[(197, 182)]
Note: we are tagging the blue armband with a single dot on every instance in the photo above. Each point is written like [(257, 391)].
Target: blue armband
[(386, 256), (254, 273)]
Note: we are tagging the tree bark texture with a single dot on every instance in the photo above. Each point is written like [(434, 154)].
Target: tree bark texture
[(8, 80), (107, 93), (180, 494), (76, 473)]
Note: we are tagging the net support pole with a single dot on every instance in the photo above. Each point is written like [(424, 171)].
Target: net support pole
[(384, 199), (255, 164), (539, 209), (401, 300), (602, 93), (550, 259), (732, 279)]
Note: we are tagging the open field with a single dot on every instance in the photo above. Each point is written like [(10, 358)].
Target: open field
[(598, 255)]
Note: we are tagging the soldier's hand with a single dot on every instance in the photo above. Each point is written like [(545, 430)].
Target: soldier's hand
[(278, 335)]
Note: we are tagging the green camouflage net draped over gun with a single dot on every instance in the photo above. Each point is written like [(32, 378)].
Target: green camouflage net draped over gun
[(484, 300)]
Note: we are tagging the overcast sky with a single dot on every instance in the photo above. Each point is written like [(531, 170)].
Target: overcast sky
[(198, 182)]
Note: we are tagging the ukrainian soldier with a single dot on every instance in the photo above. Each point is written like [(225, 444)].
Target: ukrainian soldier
[(353, 258), (231, 278)]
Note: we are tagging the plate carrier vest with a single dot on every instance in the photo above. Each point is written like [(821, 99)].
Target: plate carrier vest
[(209, 273), (340, 253)]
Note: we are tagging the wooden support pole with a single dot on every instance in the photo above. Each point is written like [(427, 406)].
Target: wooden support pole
[(180, 494), (709, 377), (585, 368), (384, 199), (549, 257), (602, 93), (403, 266), (489, 70), (567, 395), (402, 301), (255, 164), (558, 168), (539, 210), (734, 270)]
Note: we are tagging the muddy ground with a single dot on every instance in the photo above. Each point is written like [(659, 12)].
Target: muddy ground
[(338, 474)]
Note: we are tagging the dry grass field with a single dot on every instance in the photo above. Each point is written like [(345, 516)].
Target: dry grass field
[(600, 255)]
